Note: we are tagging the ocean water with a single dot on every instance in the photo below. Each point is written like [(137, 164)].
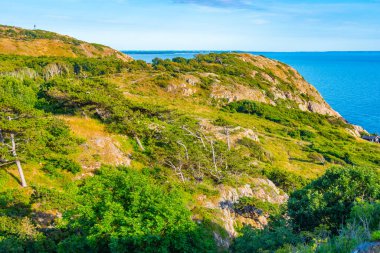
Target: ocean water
[(348, 81)]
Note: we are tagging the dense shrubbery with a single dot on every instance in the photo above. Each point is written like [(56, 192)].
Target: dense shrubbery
[(334, 213), (284, 116), (285, 180), (329, 199), (272, 237), (53, 166), (36, 133), (125, 211), (117, 210)]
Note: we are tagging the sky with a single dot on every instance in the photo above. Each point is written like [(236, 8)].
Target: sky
[(249, 25)]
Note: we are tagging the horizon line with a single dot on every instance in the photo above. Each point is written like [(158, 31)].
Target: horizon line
[(249, 51)]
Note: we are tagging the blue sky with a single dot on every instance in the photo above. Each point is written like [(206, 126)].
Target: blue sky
[(255, 25)]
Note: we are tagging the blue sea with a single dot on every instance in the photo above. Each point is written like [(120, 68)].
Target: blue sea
[(349, 81)]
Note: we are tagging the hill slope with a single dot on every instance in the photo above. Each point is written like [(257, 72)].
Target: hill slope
[(18, 41), (204, 146)]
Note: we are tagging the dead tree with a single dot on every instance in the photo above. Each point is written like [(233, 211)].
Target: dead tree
[(198, 175), (17, 161), (213, 155), (13, 151), (203, 139), (139, 143), (184, 146), (177, 169), (227, 132), (195, 135)]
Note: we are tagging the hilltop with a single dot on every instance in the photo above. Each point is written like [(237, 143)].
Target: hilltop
[(19, 41), (181, 155)]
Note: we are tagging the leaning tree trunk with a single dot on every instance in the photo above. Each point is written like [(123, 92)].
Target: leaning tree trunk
[(18, 163), (139, 143)]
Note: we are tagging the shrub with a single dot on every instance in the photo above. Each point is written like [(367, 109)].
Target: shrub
[(348, 239), (61, 164), (257, 151), (329, 199), (317, 158), (285, 180), (272, 237), (14, 203), (220, 121), (375, 235), (367, 214), (265, 206), (126, 211)]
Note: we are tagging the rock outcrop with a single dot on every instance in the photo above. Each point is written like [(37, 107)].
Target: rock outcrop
[(298, 89), (230, 218), (368, 247), (356, 131)]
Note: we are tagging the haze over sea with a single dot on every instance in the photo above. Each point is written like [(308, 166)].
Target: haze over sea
[(349, 81)]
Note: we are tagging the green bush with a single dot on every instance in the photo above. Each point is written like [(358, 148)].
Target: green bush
[(329, 199), (272, 237), (375, 235), (14, 203), (257, 151), (302, 134), (367, 214), (283, 115), (348, 239), (122, 210), (53, 165), (265, 206), (285, 180), (53, 199)]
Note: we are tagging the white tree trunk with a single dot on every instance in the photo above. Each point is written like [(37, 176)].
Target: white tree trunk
[(18, 163), (213, 155), (177, 170), (186, 152), (139, 143), (228, 138)]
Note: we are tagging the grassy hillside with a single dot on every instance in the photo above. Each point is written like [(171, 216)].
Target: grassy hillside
[(18, 41), (174, 156)]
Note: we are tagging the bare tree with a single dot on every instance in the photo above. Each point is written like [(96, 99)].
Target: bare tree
[(17, 161), (197, 135), (12, 150), (227, 132), (184, 146), (177, 169), (139, 143)]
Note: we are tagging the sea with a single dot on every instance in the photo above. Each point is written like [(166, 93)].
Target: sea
[(348, 81)]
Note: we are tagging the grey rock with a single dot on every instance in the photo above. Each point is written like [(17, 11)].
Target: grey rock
[(368, 247)]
